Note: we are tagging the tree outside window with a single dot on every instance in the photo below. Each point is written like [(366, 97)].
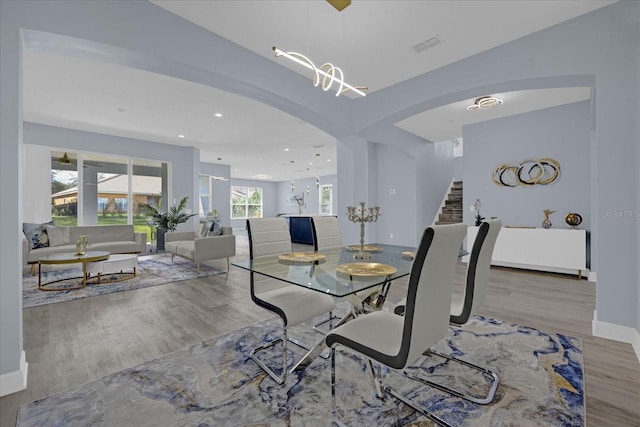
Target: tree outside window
[(246, 202)]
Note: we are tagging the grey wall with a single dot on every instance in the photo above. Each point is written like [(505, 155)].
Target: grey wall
[(458, 168), (561, 133), (396, 173)]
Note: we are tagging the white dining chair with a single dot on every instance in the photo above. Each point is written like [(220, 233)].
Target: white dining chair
[(398, 341), (467, 303), (293, 304)]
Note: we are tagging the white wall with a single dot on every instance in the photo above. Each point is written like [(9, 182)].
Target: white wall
[(37, 184)]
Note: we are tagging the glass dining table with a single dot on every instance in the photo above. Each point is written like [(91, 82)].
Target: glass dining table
[(336, 272)]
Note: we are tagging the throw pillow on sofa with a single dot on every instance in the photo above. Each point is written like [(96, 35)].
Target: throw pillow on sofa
[(215, 229), (58, 236), (36, 234)]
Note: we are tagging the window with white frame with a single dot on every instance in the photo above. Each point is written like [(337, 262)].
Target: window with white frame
[(326, 199), (246, 202)]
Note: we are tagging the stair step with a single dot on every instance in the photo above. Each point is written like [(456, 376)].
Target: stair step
[(452, 212)]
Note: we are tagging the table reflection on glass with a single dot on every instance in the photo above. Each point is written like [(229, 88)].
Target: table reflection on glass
[(323, 275)]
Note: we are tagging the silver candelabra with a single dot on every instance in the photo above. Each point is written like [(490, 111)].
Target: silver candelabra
[(358, 214)]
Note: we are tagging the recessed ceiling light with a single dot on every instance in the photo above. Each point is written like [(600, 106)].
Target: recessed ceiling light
[(484, 102), (262, 176), (180, 135), (219, 158), (328, 160), (121, 110), (218, 115), (286, 149), (310, 163), (427, 44), (319, 146)]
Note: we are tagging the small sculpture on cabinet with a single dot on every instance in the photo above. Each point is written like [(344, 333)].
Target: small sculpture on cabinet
[(573, 219), (546, 223)]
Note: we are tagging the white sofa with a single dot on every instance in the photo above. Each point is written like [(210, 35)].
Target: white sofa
[(190, 245), (117, 239)]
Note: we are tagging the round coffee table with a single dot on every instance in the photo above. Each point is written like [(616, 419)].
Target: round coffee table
[(69, 258)]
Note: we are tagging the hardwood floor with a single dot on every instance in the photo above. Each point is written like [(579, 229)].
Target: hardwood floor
[(74, 342)]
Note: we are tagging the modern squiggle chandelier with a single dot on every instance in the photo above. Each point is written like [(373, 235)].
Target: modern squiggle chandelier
[(329, 72)]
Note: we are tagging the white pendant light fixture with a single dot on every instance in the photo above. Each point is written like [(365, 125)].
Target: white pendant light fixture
[(329, 72)]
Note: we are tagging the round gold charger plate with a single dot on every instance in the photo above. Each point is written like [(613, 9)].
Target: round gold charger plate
[(302, 256), (367, 248), (410, 254), (369, 269)]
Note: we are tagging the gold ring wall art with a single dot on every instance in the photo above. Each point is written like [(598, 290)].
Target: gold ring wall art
[(529, 172)]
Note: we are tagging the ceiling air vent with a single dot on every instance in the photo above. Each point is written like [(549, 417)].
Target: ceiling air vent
[(427, 44)]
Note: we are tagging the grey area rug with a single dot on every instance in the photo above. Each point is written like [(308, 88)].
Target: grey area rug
[(152, 270), (215, 383)]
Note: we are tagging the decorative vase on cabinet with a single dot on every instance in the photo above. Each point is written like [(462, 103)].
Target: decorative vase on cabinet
[(573, 219)]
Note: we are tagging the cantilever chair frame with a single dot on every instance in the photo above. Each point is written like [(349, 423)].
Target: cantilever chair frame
[(430, 286), (280, 379), (480, 258)]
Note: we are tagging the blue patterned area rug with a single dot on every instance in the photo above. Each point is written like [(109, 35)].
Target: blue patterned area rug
[(152, 270), (215, 383)]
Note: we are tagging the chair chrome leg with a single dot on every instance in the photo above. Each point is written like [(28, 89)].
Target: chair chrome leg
[(431, 416), (494, 380), (374, 380), (277, 378), (380, 388), (322, 322), (334, 405)]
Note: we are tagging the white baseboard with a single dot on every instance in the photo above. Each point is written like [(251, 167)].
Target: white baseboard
[(16, 380), (616, 333), (592, 277)]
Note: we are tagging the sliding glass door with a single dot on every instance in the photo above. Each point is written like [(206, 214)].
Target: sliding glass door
[(64, 188), (95, 189)]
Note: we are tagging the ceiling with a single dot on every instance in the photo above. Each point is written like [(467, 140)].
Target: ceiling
[(371, 40)]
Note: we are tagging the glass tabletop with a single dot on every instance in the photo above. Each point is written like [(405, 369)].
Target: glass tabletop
[(323, 275)]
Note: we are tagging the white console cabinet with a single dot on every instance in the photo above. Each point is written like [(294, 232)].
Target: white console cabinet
[(556, 250)]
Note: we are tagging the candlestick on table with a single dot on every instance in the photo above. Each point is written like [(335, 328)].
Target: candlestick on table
[(358, 215)]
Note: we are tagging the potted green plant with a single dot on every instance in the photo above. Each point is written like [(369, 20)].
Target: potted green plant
[(165, 221)]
